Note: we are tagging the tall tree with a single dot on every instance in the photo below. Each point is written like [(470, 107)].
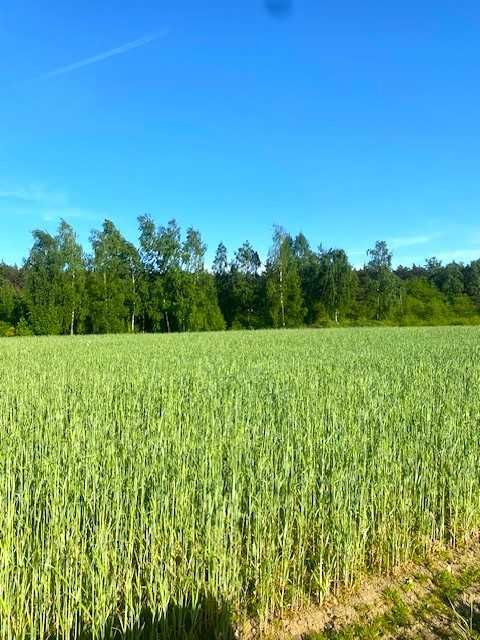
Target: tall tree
[(452, 283), (284, 293), (246, 287), (182, 295), (44, 275), (193, 252), (433, 271), (337, 282), (202, 312), (382, 281), (113, 281), (72, 283), (161, 253), (7, 300), (166, 287), (472, 281), (223, 284), (308, 264)]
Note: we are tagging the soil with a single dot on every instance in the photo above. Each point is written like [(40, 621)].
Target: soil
[(435, 600)]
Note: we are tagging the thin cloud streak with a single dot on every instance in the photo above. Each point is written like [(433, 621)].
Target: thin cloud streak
[(455, 255), (36, 194), (458, 255), (124, 48), (410, 241)]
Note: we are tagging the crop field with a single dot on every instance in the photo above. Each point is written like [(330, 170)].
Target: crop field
[(177, 485)]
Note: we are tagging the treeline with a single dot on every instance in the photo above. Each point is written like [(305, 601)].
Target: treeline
[(162, 285)]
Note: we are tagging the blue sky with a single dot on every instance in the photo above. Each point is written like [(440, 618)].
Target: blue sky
[(350, 121)]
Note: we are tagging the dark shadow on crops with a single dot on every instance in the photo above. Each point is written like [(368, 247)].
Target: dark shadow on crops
[(206, 620), (471, 615)]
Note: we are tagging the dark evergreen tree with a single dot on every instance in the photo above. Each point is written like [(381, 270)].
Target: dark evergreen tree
[(224, 284), (308, 265), (472, 281), (245, 282)]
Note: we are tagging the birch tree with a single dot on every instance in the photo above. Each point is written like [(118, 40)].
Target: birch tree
[(73, 277), (283, 293)]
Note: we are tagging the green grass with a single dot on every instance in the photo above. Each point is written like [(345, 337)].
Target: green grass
[(174, 484)]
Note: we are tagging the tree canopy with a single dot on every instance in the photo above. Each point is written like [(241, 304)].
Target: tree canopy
[(162, 284)]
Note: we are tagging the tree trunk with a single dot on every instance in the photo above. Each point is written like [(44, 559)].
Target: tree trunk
[(133, 305), (282, 304), (167, 321), (105, 300), (72, 319), (336, 316)]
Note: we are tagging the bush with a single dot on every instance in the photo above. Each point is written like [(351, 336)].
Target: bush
[(6, 330), (23, 328)]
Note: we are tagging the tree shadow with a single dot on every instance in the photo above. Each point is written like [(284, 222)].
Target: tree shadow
[(207, 619)]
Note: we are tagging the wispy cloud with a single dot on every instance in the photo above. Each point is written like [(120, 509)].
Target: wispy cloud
[(104, 55), (465, 255), (458, 255), (43, 204), (34, 194), (410, 241)]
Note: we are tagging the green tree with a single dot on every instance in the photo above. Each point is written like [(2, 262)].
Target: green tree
[(113, 281), (44, 276), (382, 282), (223, 284), (161, 254), (452, 283), (472, 281), (337, 282), (72, 278), (13, 303), (433, 271), (181, 294), (423, 304), (202, 312), (7, 300), (308, 265), (283, 288), (246, 287)]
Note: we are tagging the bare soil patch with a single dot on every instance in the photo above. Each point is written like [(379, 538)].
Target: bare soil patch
[(435, 600)]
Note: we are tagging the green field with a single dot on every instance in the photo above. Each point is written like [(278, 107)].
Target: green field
[(178, 484)]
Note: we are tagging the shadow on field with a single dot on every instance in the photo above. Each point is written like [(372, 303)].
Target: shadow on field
[(206, 620), (470, 614)]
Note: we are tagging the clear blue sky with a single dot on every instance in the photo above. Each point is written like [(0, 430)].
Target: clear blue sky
[(350, 121)]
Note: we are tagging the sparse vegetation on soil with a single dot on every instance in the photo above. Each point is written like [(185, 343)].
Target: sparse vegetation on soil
[(434, 600)]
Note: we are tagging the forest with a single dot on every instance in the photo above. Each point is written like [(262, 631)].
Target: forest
[(163, 285)]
